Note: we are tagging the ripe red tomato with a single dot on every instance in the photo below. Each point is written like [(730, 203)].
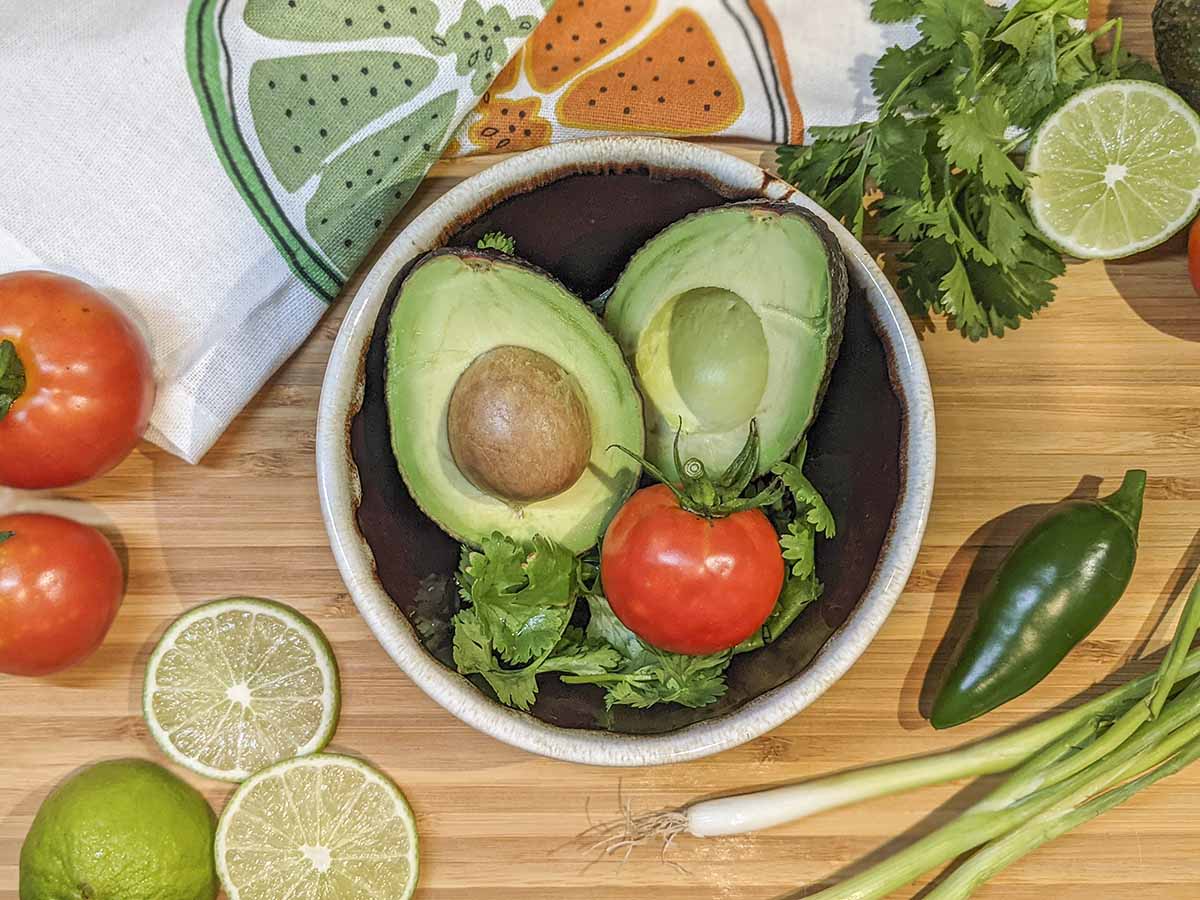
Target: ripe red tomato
[(1194, 255), (686, 583), (60, 586), (88, 382)]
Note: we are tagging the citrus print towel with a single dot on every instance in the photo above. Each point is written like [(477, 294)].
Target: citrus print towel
[(221, 167), (328, 114)]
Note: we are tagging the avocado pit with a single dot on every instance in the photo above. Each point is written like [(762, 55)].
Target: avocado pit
[(518, 428)]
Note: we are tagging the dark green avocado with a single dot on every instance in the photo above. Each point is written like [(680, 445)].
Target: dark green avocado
[(1177, 44)]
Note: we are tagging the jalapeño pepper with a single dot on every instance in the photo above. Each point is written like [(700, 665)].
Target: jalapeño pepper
[(1057, 583)]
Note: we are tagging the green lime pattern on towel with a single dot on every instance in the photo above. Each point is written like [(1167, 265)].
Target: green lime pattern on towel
[(477, 41), (305, 107), (289, 88), (366, 185), (347, 20)]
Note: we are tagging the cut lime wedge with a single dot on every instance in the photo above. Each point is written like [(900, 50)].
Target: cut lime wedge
[(1116, 170), (325, 827), (237, 685)]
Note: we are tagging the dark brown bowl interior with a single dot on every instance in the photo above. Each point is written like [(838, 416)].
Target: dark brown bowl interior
[(583, 228)]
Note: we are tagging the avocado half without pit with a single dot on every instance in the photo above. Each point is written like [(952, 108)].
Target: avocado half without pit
[(731, 314), (504, 397)]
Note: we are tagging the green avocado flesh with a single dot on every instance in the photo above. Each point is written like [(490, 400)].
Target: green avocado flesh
[(732, 314), (457, 305)]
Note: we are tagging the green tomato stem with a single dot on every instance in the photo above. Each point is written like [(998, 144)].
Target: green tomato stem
[(12, 377)]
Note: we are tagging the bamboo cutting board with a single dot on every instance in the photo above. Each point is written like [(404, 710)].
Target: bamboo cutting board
[(1107, 379)]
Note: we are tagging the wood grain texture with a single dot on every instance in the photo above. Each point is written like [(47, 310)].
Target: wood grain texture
[(1107, 379)]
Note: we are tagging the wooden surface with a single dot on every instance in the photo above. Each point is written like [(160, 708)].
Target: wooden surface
[(1107, 379)]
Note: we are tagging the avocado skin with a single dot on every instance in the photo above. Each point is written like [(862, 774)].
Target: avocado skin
[(839, 280), (1177, 45)]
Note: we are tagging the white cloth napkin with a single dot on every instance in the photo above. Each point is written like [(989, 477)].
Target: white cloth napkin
[(108, 173)]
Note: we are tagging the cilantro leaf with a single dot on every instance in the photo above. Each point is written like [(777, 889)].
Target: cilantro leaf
[(944, 22), (893, 10), (972, 137), (523, 598), (691, 681), (474, 654), (578, 654), (809, 502), (899, 160), (799, 548)]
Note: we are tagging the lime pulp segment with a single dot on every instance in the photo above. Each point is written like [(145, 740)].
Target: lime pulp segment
[(237, 685), (323, 827), (1116, 170)]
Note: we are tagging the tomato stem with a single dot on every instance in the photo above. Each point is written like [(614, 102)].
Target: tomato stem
[(5, 535), (12, 376), (702, 495)]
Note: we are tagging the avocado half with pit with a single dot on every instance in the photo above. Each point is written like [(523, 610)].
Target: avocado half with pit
[(505, 397), (731, 314)]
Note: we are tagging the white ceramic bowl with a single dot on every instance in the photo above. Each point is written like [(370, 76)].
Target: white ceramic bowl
[(337, 476)]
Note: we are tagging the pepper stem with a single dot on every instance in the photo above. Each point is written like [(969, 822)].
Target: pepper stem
[(1126, 502), (12, 377)]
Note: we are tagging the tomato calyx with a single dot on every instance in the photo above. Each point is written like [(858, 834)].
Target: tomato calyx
[(12, 377), (5, 535), (714, 498)]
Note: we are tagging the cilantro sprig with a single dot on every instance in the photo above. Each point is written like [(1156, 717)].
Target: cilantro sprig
[(935, 166)]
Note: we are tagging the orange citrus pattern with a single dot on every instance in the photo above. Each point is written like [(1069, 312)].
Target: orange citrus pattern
[(576, 34), (676, 81), (507, 79), (508, 124)]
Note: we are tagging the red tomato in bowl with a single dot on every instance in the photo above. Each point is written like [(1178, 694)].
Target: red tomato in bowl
[(686, 583), (88, 382), (60, 587), (1194, 255)]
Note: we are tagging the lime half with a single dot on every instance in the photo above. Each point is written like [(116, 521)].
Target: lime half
[(324, 827), (237, 685), (1116, 170)]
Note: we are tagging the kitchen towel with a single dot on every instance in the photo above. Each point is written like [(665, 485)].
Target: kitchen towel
[(220, 167)]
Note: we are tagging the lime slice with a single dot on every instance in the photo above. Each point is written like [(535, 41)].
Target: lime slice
[(1117, 170), (237, 685), (324, 826)]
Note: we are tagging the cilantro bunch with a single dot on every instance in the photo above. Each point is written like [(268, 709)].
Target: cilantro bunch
[(935, 166), (521, 615)]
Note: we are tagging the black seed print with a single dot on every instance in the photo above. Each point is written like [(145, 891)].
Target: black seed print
[(296, 148), (374, 92)]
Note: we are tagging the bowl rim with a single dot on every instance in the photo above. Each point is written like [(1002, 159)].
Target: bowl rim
[(338, 485)]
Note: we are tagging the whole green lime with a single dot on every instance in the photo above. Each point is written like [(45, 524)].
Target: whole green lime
[(121, 830)]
